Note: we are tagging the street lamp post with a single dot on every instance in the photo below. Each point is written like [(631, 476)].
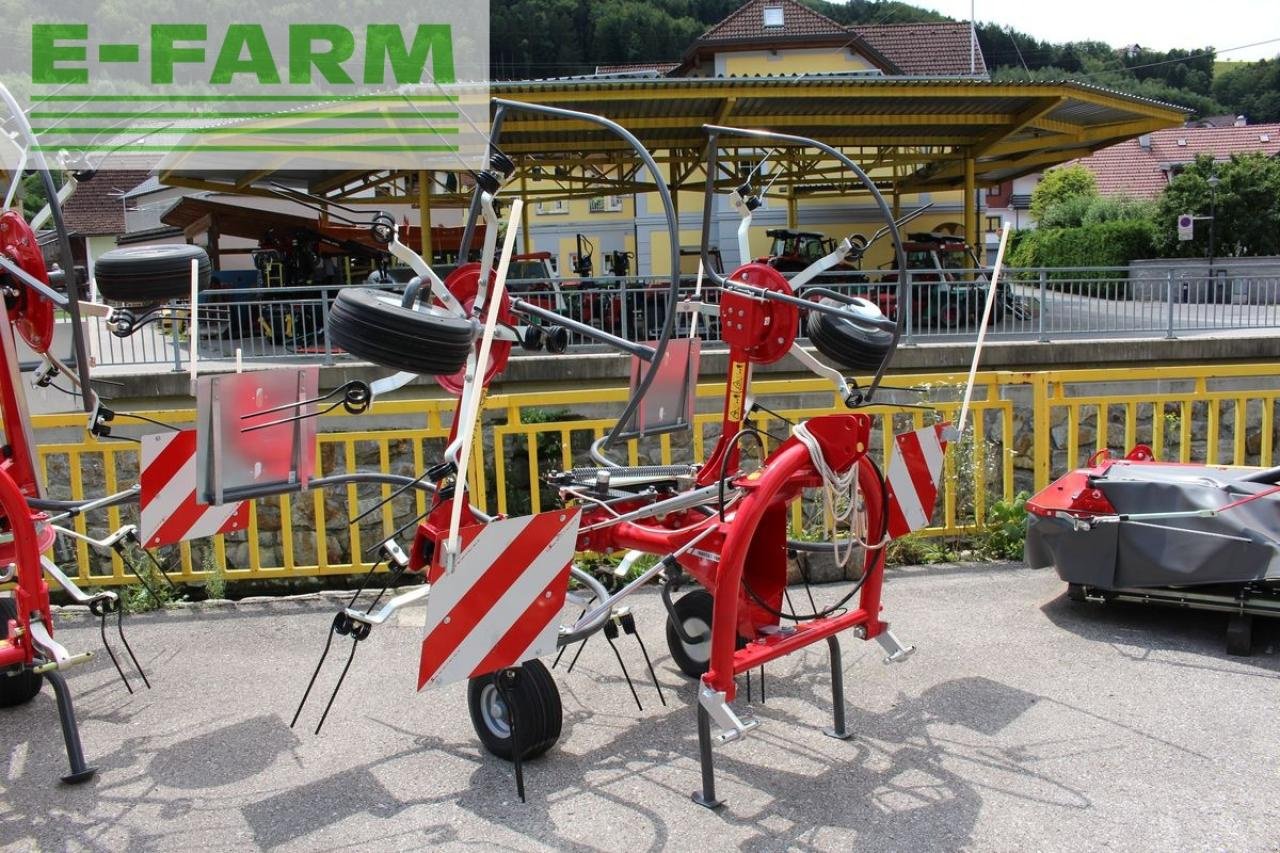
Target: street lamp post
[(1213, 221)]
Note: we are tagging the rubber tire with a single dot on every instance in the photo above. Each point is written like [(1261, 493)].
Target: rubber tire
[(1240, 635), (370, 324), (151, 274), (697, 606), (15, 689), (847, 343), (539, 714)]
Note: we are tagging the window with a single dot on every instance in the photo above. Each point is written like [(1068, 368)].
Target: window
[(994, 223), (553, 208), (605, 204), (773, 16)]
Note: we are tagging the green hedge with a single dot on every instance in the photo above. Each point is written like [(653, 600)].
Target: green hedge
[(1103, 244)]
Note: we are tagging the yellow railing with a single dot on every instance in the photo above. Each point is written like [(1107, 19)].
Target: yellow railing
[(1028, 427)]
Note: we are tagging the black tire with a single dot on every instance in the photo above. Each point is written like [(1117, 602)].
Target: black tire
[(693, 609), (539, 715), (151, 273), (1240, 635), (21, 688), (370, 324), (845, 341)]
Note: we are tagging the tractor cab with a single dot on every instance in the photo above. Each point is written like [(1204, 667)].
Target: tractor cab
[(948, 287)]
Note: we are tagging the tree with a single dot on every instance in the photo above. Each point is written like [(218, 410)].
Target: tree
[(1059, 186), (1247, 208), (1251, 89)]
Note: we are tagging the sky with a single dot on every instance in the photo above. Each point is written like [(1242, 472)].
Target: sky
[(1160, 26)]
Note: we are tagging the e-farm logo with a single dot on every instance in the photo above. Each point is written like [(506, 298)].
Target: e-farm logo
[(59, 53), (272, 94)]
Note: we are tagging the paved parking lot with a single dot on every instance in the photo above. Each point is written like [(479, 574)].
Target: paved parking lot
[(1023, 722)]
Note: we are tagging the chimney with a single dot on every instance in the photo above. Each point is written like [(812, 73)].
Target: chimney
[(1241, 121), (1144, 141)]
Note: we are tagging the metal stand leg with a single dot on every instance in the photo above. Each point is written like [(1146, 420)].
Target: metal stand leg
[(80, 772), (837, 729), (707, 796)]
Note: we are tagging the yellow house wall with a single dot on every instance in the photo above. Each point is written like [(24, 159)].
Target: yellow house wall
[(823, 60)]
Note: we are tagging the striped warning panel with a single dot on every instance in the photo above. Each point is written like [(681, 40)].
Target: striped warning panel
[(500, 604), (170, 511), (914, 474)]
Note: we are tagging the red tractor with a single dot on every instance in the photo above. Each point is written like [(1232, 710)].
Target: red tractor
[(948, 286)]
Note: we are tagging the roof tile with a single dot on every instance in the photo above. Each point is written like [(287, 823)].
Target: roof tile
[(929, 49), (97, 206), (748, 23), (1132, 169)]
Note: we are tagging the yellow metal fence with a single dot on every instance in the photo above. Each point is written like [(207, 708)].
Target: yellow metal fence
[(1027, 428)]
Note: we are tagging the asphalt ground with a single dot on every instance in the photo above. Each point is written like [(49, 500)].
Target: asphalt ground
[(1024, 722)]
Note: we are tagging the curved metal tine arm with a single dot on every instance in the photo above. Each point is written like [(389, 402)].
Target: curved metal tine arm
[(673, 235), (473, 213), (88, 397), (714, 132)]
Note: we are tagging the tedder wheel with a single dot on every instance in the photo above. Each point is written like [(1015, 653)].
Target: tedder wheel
[(847, 342), (539, 716), (23, 687), (371, 324), (694, 611), (1240, 635), (151, 274)]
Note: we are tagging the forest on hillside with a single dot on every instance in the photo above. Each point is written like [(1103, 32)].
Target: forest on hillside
[(555, 38)]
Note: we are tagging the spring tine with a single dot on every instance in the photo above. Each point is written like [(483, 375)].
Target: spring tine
[(340, 390), (647, 662), (291, 419), (577, 654), (102, 623), (127, 647), (748, 675), (312, 682), (338, 686), (762, 696), (160, 569), (623, 667)]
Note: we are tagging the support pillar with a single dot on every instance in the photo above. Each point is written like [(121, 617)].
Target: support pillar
[(971, 235), (526, 237), (424, 213)]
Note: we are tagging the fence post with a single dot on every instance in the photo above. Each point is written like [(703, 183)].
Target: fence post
[(1169, 335), (625, 310), (324, 320), (1042, 443), (906, 277), (1044, 303), (177, 343)]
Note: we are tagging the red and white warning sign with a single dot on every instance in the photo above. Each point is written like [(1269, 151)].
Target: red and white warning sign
[(914, 474), (500, 604), (170, 511)]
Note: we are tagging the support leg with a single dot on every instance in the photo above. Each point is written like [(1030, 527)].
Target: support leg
[(707, 796), (80, 772), (838, 729)]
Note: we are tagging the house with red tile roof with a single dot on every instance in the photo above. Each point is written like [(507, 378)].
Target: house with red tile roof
[(1143, 167), (779, 37), (95, 212)]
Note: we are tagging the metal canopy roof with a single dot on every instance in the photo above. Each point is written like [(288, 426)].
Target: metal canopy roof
[(916, 134)]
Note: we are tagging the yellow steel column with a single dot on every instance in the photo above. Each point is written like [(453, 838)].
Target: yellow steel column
[(524, 216), (793, 209), (971, 235), (424, 213)]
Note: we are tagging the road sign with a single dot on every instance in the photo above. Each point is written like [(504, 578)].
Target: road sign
[(1186, 226)]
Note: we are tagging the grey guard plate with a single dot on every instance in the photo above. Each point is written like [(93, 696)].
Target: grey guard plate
[(669, 404), (230, 461)]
